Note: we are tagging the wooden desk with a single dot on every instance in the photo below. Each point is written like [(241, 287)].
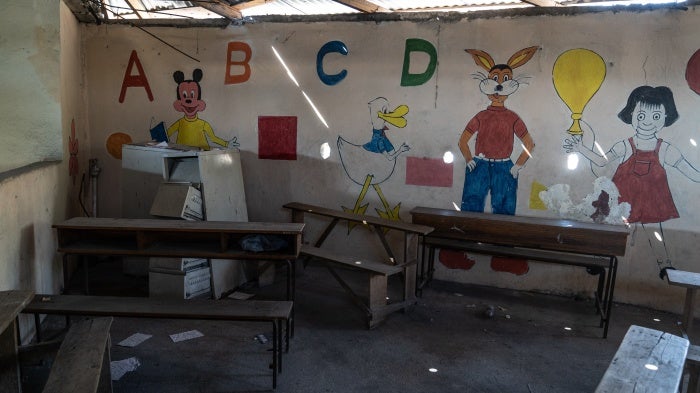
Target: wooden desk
[(83, 236), (11, 304), (403, 262), (646, 361), (690, 281), (592, 246)]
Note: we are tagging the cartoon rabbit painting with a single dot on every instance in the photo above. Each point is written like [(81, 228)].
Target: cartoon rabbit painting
[(490, 169)]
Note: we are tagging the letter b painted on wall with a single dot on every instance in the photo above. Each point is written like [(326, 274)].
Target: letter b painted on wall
[(247, 53), (418, 45)]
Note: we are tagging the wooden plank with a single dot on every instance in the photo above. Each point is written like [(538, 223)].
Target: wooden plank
[(647, 361), (360, 218), (80, 360), (351, 262), (11, 304), (117, 306), (146, 224), (172, 238), (519, 231), (683, 278)]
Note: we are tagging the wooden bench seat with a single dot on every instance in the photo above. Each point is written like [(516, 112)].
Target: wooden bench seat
[(82, 363), (647, 360), (273, 311), (375, 307), (691, 282)]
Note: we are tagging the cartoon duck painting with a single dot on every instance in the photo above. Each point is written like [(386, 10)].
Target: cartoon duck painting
[(373, 162)]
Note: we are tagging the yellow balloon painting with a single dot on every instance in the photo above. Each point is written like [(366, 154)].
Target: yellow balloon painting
[(577, 76)]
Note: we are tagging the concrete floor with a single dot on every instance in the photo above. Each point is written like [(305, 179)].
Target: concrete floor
[(526, 346)]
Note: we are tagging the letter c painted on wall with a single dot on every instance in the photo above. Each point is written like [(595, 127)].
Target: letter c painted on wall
[(328, 47)]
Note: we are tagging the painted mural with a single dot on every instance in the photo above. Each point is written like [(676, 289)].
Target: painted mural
[(190, 129), (373, 162), (490, 171), (640, 162), (628, 183)]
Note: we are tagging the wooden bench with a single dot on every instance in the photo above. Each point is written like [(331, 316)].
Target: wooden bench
[(376, 307), (275, 312), (691, 282), (82, 363), (647, 360), (594, 247), (11, 304)]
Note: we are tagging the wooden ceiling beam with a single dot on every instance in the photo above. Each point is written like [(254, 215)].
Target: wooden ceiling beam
[(362, 5), (220, 7), (543, 3)]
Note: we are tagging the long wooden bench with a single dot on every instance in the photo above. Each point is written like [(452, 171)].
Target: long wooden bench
[(276, 312), (82, 363), (647, 360), (376, 306), (594, 247), (11, 304)]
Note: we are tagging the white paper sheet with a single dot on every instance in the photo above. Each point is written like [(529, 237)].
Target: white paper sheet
[(134, 340), (177, 337), (121, 367)]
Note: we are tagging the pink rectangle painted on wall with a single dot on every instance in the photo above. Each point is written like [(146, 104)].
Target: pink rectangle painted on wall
[(277, 137), (421, 171)]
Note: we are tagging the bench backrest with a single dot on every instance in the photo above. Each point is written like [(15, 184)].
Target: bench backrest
[(360, 218), (534, 232)]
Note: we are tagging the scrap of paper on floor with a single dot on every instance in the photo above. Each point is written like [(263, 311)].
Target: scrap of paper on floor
[(177, 337), (134, 340)]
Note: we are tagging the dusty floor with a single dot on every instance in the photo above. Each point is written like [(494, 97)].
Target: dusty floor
[(526, 347)]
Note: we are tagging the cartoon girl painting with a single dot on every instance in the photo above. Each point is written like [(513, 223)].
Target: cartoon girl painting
[(641, 160), (190, 129)]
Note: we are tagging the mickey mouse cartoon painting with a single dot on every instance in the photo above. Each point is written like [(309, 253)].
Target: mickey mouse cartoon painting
[(190, 129)]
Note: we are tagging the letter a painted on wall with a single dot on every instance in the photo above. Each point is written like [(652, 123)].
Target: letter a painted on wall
[(418, 45), (328, 47), (138, 80), (248, 53)]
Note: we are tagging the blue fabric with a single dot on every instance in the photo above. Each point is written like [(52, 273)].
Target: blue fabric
[(259, 243), (491, 177), (379, 143)]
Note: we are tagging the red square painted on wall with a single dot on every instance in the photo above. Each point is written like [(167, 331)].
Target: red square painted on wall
[(277, 137), (421, 171)]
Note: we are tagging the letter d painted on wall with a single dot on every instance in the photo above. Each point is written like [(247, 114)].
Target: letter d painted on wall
[(418, 45)]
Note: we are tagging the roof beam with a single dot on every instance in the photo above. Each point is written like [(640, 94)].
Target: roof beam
[(221, 8), (362, 5), (543, 3), (81, 11)]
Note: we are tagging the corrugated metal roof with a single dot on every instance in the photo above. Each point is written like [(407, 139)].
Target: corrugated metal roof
[(99, 11)]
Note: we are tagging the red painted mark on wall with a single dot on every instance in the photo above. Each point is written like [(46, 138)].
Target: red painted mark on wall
[(455, 259), (516, 266), (277, 137), (421, 171), (138, 80)]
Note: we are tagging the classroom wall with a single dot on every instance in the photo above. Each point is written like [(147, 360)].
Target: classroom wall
[(36, 196), (287, 94)]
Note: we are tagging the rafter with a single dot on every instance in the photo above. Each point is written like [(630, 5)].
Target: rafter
[(221, 8), (543, 3), (362, 5)]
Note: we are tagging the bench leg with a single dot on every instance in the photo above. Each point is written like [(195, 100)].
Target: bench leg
[(9, 362), (688, 308), (275, 360), (377, 298)]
